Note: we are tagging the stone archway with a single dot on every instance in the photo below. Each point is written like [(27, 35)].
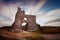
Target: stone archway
[(31, 20), (20, 17)]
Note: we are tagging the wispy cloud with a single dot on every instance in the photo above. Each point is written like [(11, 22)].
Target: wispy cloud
[(33, 9), (8, 11), (50, 18)]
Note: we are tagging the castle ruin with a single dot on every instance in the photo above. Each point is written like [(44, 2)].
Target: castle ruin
[(19, 19)]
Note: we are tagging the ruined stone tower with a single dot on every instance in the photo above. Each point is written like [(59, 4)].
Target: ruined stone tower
[(16, 26)]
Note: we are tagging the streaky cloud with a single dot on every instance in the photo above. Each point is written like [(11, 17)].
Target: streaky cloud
[(56, 20), (33, 9), (52, 17), (49, 17), (56, 23)]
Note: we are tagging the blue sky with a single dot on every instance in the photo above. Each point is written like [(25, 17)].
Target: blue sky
[(47, 11), (51, 5)]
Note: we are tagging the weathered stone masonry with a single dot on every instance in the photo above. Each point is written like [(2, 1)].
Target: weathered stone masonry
[(19, 19)]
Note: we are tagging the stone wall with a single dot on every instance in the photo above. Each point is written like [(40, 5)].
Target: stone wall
[(31, 20)]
